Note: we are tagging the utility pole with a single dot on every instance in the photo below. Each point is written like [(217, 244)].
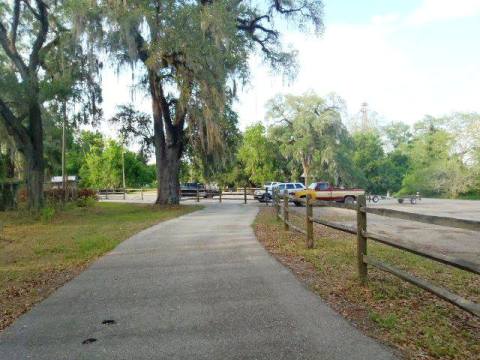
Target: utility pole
[(64, 174), (123, 166)]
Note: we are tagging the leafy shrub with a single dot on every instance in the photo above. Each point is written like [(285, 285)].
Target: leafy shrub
[(47, 214), (22, 195), (86, 202), (87, 193), (86, 198), (54, 196)]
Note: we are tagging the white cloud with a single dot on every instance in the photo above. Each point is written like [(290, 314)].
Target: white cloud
[(364, 63), (386, 19), (357, 62), (438, 10)]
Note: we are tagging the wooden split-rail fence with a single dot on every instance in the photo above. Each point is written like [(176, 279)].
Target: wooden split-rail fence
[(239, 194), (363, 235)]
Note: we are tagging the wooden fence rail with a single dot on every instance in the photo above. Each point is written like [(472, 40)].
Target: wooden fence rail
[(245, 195), (363, 259)]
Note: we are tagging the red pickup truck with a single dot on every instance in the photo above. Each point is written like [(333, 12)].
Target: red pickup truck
[(322, 190)]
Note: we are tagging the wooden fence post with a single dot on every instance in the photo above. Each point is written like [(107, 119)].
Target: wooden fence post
[(141, 191), (361, 239), (309, 222), (274, 201), (245, 194), (285, 213), (220, 197), (277, 201), (124, 193), (198, 194)]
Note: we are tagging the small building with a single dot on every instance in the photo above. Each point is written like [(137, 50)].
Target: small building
[(56, 183)]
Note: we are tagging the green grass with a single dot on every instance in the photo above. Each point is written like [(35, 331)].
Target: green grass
[(37, 254), (469, 196), (418, 323)]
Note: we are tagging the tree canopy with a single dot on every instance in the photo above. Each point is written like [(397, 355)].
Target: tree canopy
[(193, 54), (42, 67), (311, 130)]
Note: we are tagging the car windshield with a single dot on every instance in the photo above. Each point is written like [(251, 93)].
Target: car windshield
[(312, 186)]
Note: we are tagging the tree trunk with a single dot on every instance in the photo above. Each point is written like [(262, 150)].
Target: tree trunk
[(306, 172), (168, 167), (168, 149), (34, 159), (34, 181)]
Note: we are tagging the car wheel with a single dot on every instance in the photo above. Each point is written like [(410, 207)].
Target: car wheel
[(400, 201), (375, 198), (349, 200), (413, 201), (300, 203)]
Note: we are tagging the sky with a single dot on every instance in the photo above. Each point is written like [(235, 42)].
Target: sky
[(404, 58)]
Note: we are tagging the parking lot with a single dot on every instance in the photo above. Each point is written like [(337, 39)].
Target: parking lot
[(458, 243)]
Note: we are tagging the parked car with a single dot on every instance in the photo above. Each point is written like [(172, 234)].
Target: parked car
[(265, 193), (322, 190), (289, 188), (191, 189), (211, 191)]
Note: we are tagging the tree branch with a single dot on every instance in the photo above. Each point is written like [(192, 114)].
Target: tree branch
[(12, 52), (182, 105), (41, 36), (30, 7), (14, 128), (251, 26), (140, 44), (278, 7), (15, 22), (325, 110)]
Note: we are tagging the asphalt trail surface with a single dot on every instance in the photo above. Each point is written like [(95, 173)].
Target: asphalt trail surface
[(196, 287)]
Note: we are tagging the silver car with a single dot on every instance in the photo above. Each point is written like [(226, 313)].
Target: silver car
[(289, 188), (265, 193)]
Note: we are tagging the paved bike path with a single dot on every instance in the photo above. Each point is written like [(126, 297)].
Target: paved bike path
[(196, 287)]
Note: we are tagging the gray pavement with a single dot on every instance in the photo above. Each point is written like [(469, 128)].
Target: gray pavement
[(196, 287)]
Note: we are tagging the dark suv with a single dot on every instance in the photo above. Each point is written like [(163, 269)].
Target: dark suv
[(191, 189)]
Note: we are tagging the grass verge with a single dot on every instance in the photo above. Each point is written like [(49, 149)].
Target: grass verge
[(36, 257), (415, 322)]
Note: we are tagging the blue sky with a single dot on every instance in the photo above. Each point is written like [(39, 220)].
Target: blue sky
[(359, 12), (405, 58)]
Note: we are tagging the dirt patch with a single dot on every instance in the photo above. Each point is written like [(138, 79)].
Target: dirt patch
[(18, 298)]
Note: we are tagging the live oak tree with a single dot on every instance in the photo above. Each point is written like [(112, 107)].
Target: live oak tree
[(312, 132), (192, 54), (135, 126), (259, 155), (24, 29), (213, 166), (442, 156), (34, 37)]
